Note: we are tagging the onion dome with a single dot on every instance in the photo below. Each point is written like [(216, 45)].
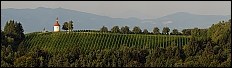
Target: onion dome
[(57, 23)]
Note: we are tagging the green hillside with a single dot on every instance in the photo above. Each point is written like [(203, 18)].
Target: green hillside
[(63, 41), (209, 47)]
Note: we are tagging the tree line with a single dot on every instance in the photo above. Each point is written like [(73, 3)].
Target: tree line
[(126, 30), (137, 30)]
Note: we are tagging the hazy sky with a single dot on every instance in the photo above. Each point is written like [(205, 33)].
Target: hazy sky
[(125, 9)]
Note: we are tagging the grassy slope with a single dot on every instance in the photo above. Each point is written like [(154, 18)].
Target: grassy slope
[(62, 41)]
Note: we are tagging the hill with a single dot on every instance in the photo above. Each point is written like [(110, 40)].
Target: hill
[(182, 20), (204, 48), (39, 18)]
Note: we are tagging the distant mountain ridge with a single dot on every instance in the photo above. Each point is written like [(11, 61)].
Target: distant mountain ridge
[(36, 19)]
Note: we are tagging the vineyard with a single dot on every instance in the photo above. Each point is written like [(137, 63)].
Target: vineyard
[(63, 41)]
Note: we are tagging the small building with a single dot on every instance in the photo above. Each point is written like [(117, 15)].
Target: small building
[(57, 26), (44, 30)]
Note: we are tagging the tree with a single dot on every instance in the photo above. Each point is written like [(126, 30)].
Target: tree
[(220, 33), (137, 30), (199, 34), (20, 35), (7, 54), (70, 25), (3, 39), (125, 30), (65, 26), (58, 61), (156, 30), (14, 33), (186, 31), (166, 30), (104, 29), (122, 30), (10, 29), (175, 32), (145, 31), (25, 61), (35, 58), (115, 29)]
